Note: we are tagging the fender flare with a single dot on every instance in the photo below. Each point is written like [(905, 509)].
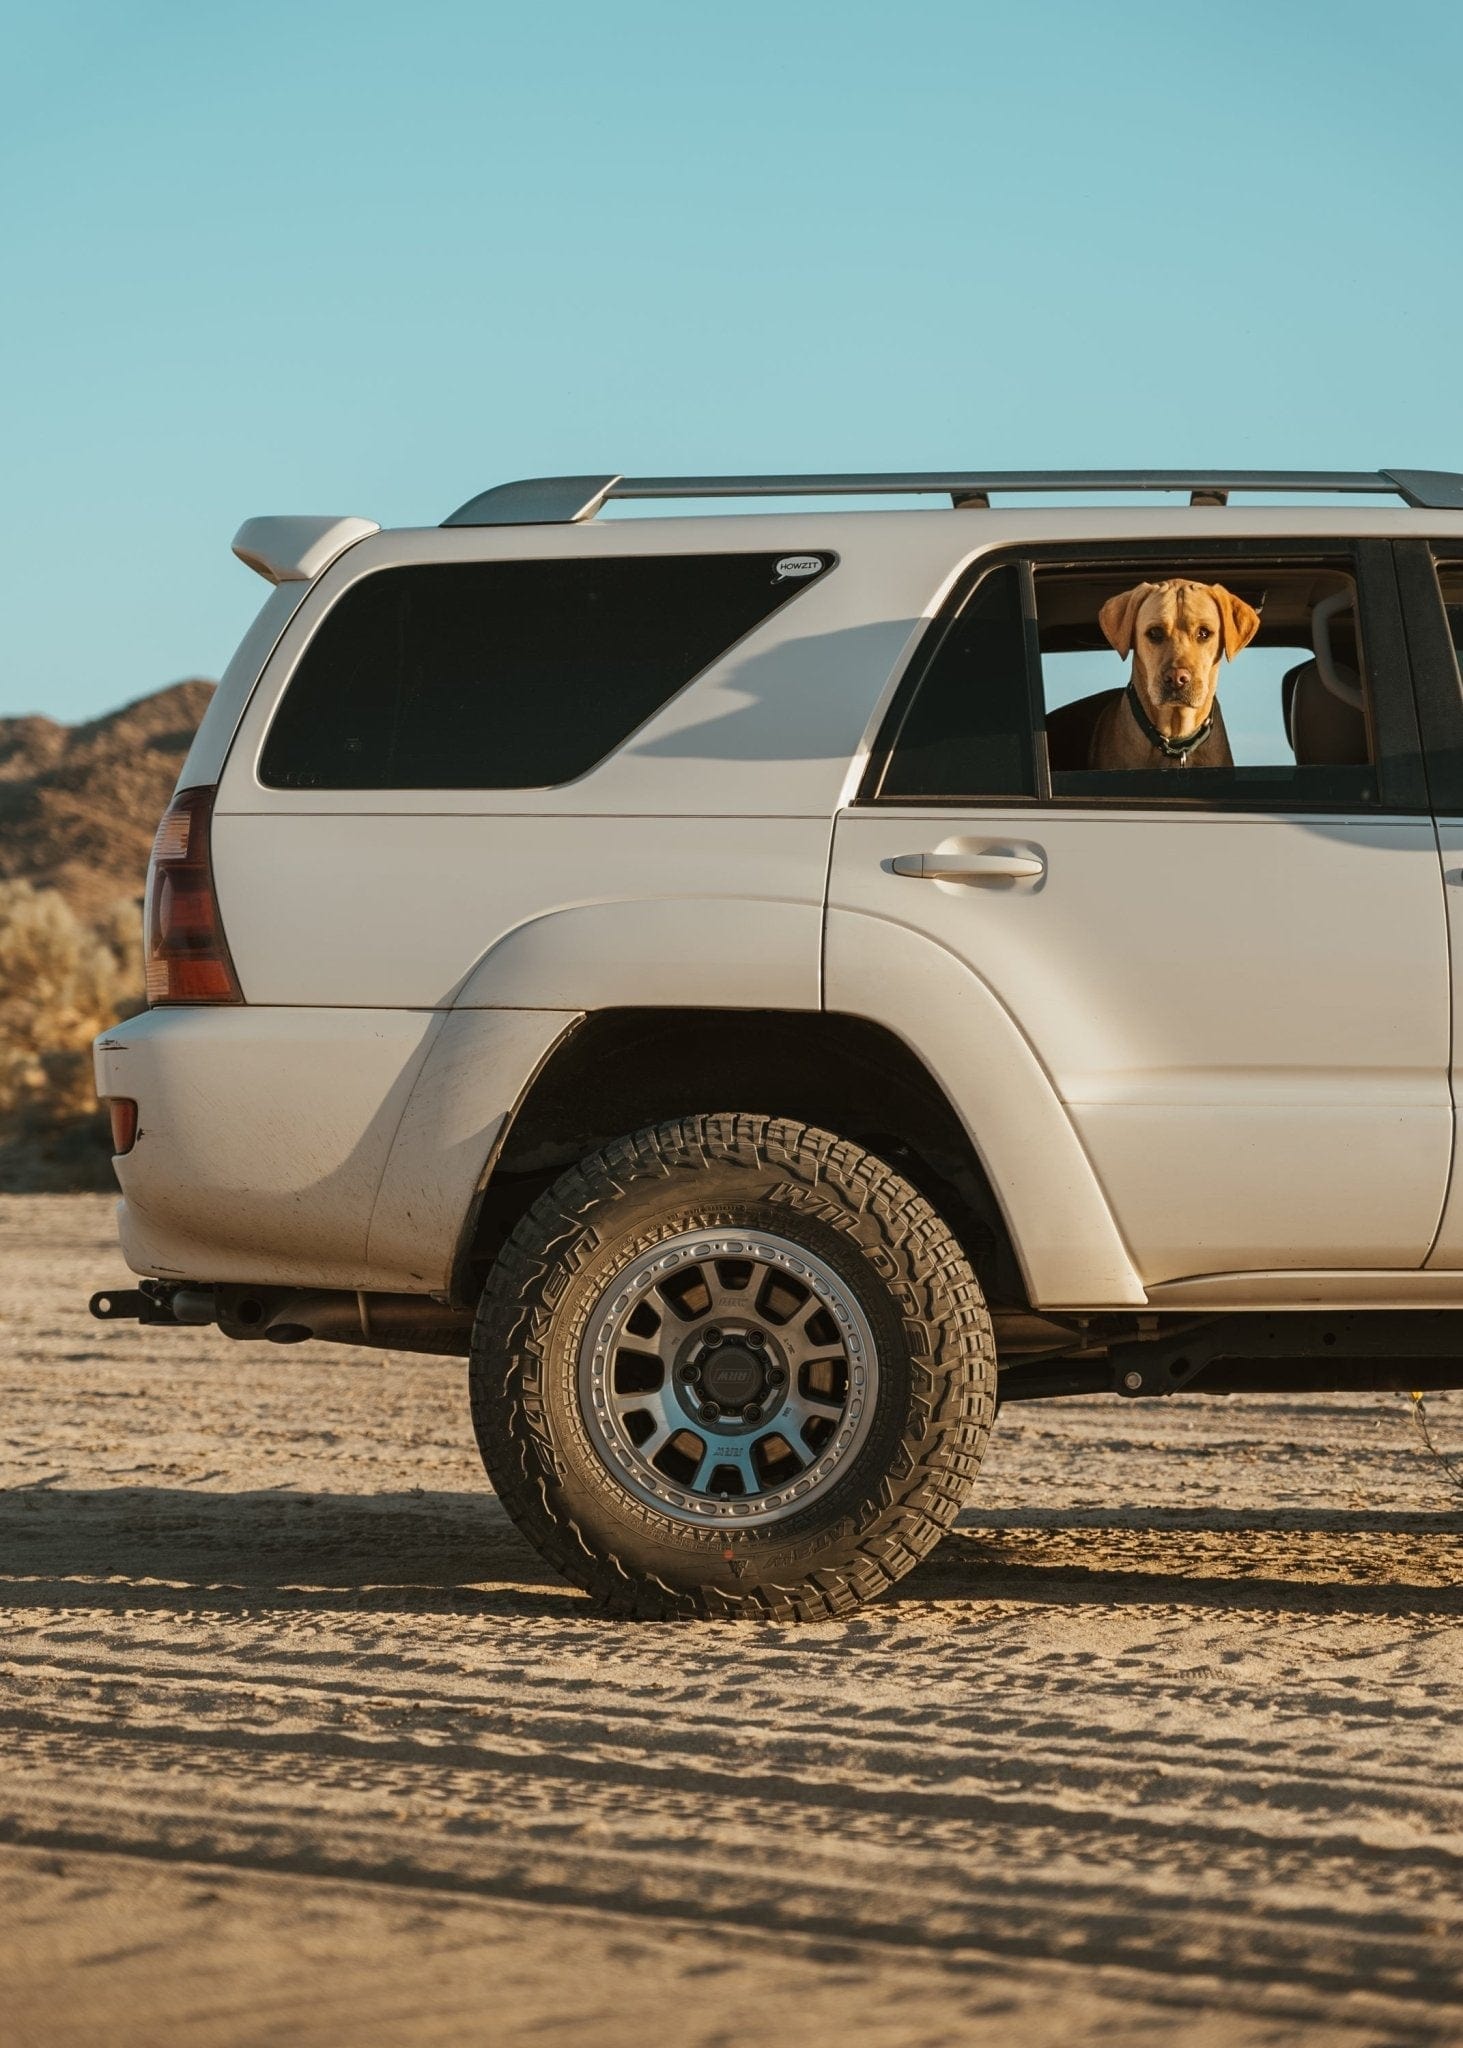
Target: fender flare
[(480, 1066), (1061, 1225), (681, 952)]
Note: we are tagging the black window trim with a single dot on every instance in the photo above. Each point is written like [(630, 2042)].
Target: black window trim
[(1437, 667), (1402, 784), (796, 586)]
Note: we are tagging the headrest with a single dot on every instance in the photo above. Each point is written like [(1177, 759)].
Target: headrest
[(1323, 732)]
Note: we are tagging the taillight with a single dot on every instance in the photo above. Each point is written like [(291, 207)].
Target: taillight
[(123, 1114), (183, 937)]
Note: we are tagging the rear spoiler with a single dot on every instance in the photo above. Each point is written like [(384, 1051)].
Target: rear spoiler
[(295, 548)]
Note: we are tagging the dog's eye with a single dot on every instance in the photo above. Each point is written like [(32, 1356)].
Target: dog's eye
[(1156, 634), (1204, 633)]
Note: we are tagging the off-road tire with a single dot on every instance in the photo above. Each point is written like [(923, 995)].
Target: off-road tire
[(933, 1407)]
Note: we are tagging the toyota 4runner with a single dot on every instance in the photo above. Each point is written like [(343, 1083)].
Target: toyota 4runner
[(689, 967)]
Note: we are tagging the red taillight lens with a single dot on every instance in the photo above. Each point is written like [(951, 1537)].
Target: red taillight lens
[(124, 1123), (183, 936)]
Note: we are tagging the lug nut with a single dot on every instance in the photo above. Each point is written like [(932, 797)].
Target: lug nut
[(710, 1412), (711, 1338), (776, 1371), (751, 1413), (686, 1373), (757, 1337)]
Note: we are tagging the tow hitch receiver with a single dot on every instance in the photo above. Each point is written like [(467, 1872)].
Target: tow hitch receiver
[(155, 1301)]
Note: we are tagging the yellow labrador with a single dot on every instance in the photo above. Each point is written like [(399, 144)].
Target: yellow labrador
[(1177, 632)]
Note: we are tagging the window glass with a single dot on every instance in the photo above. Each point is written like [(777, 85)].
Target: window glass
[(509, 675), (967, 728), (1292, 701)]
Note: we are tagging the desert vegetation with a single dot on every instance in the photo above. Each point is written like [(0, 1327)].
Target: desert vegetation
[(78, 806), (62, 980)]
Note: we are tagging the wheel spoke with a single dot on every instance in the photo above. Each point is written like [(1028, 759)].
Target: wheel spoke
[(732, 1302), (650, 1328), (703, 1286), (664, 1344), (659, 1437), (739, 1456), (801, 1407), (802, 1348), (674, 1319), (822, 1404), (657, 1405)]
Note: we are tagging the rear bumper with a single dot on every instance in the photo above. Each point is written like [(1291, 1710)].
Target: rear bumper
[(324, 1148)]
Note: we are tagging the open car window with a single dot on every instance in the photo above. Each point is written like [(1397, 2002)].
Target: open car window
[(1003, 698), (1295, 702)]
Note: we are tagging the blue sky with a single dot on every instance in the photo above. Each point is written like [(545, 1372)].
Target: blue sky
[(369, 258)]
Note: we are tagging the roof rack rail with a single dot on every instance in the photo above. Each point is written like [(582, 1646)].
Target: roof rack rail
[(564, 500)]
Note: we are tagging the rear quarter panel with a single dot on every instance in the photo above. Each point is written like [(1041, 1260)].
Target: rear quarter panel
[(720, 805), (313, 1148)]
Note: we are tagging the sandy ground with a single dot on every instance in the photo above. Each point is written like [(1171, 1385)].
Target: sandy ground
[(299, 1743)]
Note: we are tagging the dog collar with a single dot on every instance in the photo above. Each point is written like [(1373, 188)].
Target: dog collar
[(1176, 750)]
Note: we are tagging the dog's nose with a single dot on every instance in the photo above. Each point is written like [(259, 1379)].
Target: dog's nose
[(1180, 675)]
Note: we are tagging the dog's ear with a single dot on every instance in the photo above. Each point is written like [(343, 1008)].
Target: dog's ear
[(1241, 621), (1119, 616)]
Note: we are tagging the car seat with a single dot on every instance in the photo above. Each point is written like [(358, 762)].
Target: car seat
[(1322, 730), (1069, 730)]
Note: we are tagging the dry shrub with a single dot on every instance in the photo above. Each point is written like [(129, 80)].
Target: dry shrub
[(61, 982)]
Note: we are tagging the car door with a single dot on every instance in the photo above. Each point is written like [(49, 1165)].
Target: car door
[(1235, 981)]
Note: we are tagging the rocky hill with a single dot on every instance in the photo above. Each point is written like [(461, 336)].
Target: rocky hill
[(79, 803)]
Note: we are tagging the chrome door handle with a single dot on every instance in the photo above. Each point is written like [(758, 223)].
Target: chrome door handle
[(968, 867)]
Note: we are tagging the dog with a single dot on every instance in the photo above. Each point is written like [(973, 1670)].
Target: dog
[(1177, 633)]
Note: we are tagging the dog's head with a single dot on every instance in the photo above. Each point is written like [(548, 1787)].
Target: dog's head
[(1177, 633)]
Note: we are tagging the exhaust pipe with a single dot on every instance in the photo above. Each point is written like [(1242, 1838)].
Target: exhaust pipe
[(392, 1322), (279, 1315)]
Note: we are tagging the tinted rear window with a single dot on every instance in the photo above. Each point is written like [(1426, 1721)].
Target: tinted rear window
[(509, 675)]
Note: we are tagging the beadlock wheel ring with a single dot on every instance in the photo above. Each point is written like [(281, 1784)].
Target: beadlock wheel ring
[(745, 1326)]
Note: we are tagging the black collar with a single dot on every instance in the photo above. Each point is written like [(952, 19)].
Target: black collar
[(1176, 750)]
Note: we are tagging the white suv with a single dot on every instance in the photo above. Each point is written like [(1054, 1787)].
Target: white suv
[(686, 965)]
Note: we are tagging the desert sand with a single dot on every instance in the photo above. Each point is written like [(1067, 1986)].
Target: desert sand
[(300, 1744)]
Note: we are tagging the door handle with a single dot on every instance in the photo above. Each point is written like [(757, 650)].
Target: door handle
[(969, 867)]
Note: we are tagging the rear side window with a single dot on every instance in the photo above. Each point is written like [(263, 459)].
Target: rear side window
[(510, 675)]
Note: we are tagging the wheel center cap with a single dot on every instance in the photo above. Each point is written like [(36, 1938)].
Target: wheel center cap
[(732, 1376)]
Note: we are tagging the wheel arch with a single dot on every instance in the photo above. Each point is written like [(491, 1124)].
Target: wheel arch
[(617, 1070)]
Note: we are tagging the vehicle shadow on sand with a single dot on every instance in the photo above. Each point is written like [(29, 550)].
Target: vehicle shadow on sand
[(138, 1548)]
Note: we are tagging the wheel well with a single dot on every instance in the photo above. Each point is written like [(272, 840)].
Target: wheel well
[(620, 1070)]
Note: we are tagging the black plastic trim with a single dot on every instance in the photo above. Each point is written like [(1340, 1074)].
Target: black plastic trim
[(1435, 667)]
